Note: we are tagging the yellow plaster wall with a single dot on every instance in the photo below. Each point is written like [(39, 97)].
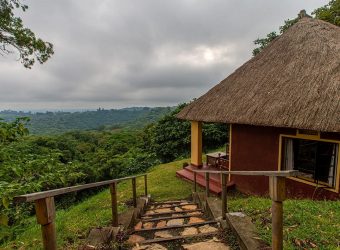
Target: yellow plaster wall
[(196, 143)]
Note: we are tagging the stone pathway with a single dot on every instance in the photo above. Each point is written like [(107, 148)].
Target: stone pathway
[(180, 224)]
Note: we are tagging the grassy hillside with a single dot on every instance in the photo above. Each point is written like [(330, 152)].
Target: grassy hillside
[(308, 223)]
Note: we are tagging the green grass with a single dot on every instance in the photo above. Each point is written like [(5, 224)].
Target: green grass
[(306, 222)]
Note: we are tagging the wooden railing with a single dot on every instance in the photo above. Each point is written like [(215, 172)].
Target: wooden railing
[(45, 207), (277, 192)]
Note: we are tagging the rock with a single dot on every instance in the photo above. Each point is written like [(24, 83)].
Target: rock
[(156, 247), (177, 209), (238, 214), (195, 213), (148, 225), (138, 226), (163, 234), (150, 247), (195, 220), (189, 231), (135, 238), (163, 210), (99, 236), (207, 229), (189, 207), (175, 222), (206, 245), (162, 223)]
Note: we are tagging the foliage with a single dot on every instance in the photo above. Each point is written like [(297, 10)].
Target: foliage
[(329, 13), (46, 162), (11, 131), (169, 138), (101, 119), (14, 35)]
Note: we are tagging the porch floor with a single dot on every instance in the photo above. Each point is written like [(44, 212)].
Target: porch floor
[(214, 179)]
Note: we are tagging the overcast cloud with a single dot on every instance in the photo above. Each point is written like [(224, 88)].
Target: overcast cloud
[(112, 54)]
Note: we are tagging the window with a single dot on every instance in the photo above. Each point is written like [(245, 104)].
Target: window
[(317, 161)]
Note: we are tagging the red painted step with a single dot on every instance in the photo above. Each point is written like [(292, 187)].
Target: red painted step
[(214, 183), (187, 175)]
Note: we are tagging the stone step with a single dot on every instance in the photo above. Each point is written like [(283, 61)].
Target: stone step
[(170, 205), (170, 217), (168, 202), (172, 212), (176, 226), (179, 237)]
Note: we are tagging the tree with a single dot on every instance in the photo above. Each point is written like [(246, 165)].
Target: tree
[(14, 36), (329, 13), (12, 130)]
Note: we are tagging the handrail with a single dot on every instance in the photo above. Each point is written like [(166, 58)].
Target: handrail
[(277, 192), (284, 173), (66, 190), (45, 207)]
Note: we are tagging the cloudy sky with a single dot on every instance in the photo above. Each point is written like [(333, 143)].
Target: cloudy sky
[(113, 54)]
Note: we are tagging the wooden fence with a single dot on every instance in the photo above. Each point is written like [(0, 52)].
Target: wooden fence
[(277, 192), (45, 207)]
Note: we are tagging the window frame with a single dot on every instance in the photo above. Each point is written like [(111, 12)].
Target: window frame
[(311, 138)]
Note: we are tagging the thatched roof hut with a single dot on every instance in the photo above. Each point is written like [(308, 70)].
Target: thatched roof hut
[(294, 82)]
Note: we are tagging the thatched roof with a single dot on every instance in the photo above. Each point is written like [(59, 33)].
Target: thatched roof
[(294, 82)]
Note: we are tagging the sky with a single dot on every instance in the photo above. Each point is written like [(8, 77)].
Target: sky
[(114, 54)]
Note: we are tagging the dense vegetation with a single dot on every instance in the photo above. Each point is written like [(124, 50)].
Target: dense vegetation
[(328, 13), (41, 162), (101, 119)]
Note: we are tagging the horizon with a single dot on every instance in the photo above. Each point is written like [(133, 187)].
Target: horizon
[(73, 110)]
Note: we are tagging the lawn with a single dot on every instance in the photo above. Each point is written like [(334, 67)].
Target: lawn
[(307, 223)]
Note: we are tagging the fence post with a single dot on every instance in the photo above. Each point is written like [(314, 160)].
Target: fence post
[(114, 205), (277, 192), (45, 213), (134, 192), (195, 182), (224, 196), (146, 185), (207, 191)]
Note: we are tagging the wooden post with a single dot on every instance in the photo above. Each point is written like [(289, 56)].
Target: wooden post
[(45, 213), (134, 192), (146, 185), (277, 192), (224, 196), (196, 143), (207, 191), (114, 204), (195, 182)]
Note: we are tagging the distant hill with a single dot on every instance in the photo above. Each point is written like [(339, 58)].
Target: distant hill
[(59, 122)]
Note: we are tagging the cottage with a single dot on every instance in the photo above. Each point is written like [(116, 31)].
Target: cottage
[(283, 111)]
